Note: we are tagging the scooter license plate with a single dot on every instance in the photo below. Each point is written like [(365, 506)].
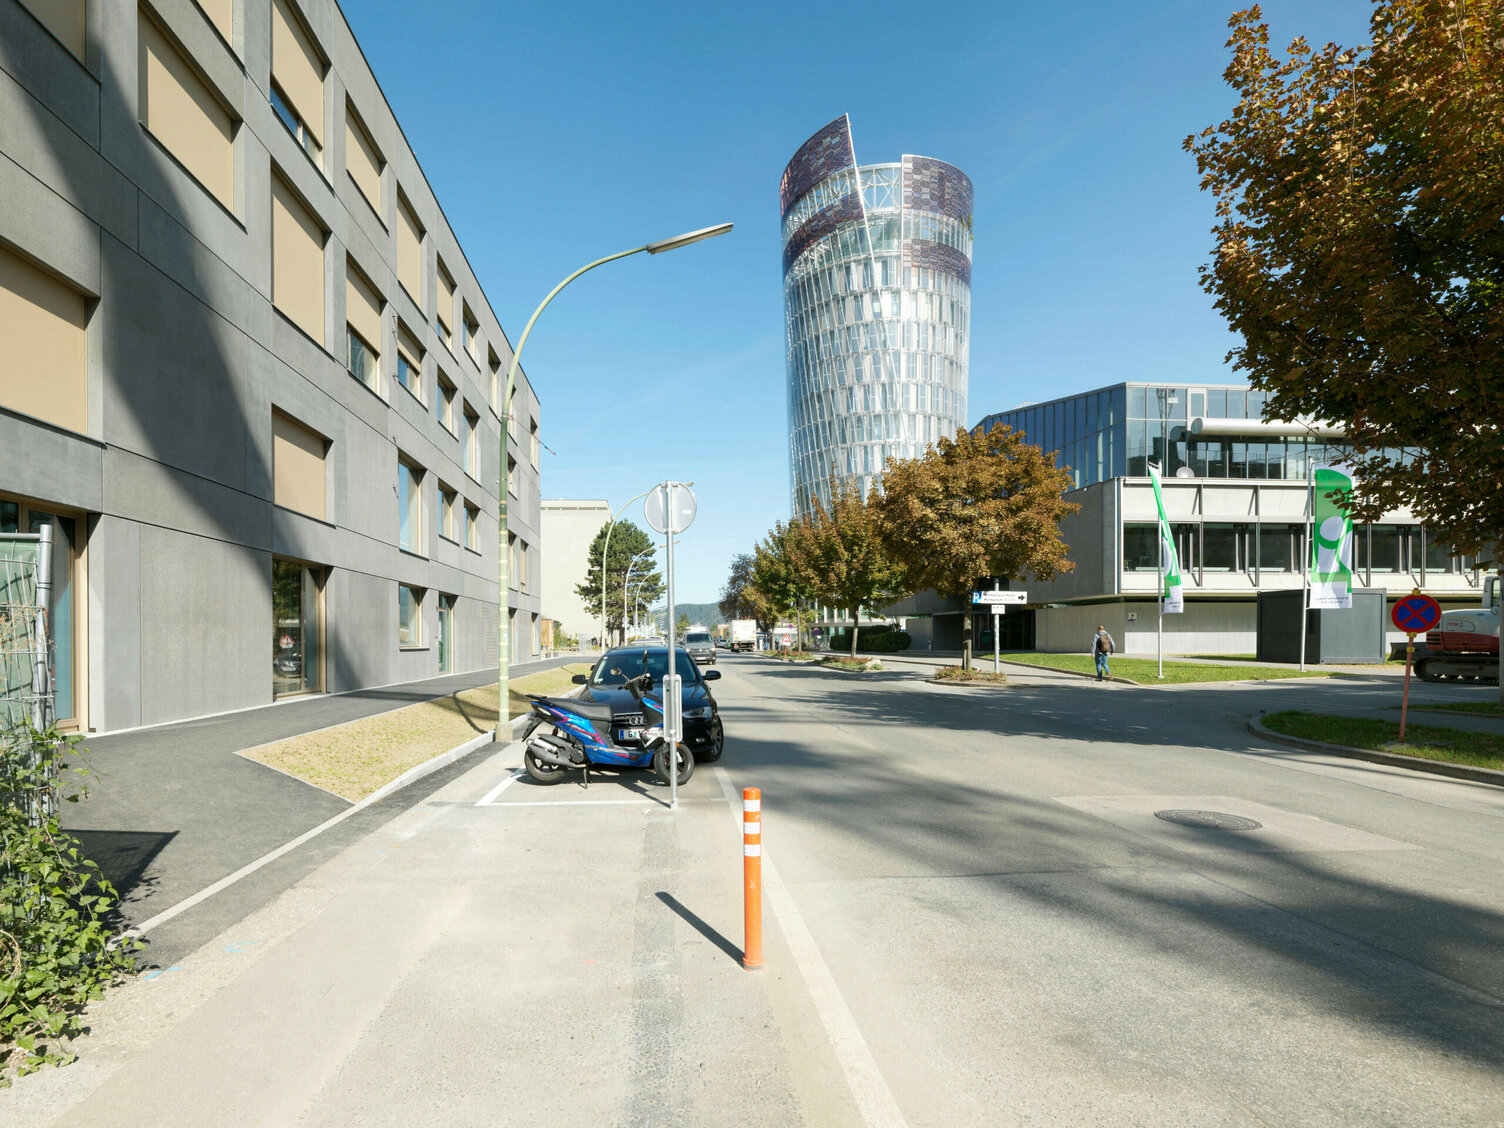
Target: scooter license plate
[(629, 734)]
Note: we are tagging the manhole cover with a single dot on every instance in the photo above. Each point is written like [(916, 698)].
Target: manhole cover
[(1208, 820)]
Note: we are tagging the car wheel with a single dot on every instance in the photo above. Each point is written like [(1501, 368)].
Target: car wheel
[(717, 743)]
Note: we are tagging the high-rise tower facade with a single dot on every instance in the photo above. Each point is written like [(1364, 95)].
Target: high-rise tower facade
[(877, 309)]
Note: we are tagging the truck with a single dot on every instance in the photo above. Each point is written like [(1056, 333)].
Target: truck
[(743, 634), (1464, 647)]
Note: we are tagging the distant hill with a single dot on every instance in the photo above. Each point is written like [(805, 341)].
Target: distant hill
[(707, 613)]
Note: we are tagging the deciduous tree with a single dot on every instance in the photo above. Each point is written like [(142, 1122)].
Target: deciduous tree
[(843, 556), (645, 584), (976, 505), (780, 579), (1358, 250)]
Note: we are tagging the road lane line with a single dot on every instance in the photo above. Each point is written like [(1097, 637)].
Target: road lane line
[(500, 787), (874, 1100)]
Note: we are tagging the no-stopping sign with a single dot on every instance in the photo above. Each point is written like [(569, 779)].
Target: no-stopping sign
[(1416, 614)]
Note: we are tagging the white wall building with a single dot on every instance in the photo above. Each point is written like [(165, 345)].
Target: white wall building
[(568, 528)]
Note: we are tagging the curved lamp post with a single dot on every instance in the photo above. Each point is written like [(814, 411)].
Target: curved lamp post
[(503, 555), (605, 549), (624, 581)]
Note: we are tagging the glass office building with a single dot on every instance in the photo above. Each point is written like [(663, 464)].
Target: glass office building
[(1117, 431), (877, 309)]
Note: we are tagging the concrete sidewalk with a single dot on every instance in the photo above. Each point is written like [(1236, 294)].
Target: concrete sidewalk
[(172, 809)]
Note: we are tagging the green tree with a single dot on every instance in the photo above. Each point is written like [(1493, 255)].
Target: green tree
[(1358, 250), (645, 585), (681, 627), (973, 506), (741, 598), (781, 580), (843, 555)]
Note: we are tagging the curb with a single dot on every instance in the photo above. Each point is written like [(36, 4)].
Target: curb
[(964, 682), (1393, 759)]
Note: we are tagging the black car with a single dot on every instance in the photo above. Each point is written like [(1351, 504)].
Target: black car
[(702, 717)]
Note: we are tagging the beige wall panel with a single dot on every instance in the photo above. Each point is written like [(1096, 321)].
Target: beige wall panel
[(363, 162), (222, 12), (64, 18), (298, 69), (297, 262), (297, 467), (181, 113), (409, 252), (42, 366), (363, 309)]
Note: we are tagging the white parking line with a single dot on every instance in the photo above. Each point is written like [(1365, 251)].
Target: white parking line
[(500, 787), (874, 1100)]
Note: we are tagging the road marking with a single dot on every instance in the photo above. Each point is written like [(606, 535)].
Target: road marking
[(874, 1100), (500, 787)]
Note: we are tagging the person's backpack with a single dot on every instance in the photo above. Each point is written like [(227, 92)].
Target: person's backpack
[(1104, 643)]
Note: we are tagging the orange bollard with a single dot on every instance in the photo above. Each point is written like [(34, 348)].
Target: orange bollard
[(752, 876)]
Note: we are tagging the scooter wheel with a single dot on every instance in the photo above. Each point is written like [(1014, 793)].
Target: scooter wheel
[(541, 771), (686, 763)]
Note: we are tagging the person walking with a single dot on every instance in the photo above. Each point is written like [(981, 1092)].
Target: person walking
[(1101, 649)]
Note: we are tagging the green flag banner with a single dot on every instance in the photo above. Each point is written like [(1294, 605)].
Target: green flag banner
[(1174, 601), (1331, 560)]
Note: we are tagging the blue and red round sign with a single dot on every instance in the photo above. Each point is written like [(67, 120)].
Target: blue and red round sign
[(1416, 614)]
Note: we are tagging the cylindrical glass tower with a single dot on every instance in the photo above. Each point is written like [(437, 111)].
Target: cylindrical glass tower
[(877, 308)]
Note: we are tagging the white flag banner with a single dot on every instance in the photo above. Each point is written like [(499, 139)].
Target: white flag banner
[(1174, 599)]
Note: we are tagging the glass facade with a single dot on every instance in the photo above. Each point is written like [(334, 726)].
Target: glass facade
[(1117, 431), (877, 309)]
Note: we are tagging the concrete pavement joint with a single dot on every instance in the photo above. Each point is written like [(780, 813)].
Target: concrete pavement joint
[(869, 1089), (1393, 759)]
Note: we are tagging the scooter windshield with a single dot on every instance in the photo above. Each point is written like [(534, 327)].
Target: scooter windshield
[(616, 669)]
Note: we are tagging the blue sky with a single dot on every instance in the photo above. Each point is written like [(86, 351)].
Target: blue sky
[(556, 133)]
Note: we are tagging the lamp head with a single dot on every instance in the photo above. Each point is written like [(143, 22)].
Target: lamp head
[(687, 238)]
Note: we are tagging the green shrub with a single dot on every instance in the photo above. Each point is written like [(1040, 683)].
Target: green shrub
[(55, 950), (881, 640)]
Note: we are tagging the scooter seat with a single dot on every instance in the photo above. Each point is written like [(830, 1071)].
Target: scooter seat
[(594, 710)]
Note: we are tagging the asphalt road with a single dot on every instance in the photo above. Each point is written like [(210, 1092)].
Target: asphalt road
[(974, 917)]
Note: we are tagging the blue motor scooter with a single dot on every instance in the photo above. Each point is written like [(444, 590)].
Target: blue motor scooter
[(566, 733)]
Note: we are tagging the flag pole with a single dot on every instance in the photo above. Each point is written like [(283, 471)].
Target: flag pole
[(1305, 570), (1160, 630)]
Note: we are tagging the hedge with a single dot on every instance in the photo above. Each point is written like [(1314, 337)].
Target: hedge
[(883, 640)]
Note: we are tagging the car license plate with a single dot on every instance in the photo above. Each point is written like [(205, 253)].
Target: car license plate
[(629, 734)]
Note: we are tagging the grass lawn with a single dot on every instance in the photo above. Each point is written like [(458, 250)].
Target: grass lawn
[(1145, 670), (353, 760), (1480, 708), (1430, 742)]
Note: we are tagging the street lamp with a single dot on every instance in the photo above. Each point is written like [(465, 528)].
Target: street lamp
[(503, 624), (605, 548), (624, 580)]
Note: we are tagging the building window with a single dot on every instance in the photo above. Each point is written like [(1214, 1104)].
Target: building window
[(1140, 548), (298, 466), (68, 659), (444, 637), (448, 519), (363, 161), (1386, 548), (44, 373), (297, 629), (444, 313), (409, 507), (221, 14), (363, 306), (297, 91), (297, 261), (409, 250), (1279, 547), (409, 363), (495, 364), (511, 475), (180, 110), (472, 528), (533, 443), (409, 616), (517, 550), (1220, 548), (471, 449), (470, 327), (445, 404), (65, 19)]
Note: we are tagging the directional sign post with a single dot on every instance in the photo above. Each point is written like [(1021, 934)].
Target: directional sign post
[(1415, 614), (997, 600)]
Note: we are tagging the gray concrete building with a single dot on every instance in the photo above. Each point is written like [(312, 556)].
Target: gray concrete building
[(249, 375)]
